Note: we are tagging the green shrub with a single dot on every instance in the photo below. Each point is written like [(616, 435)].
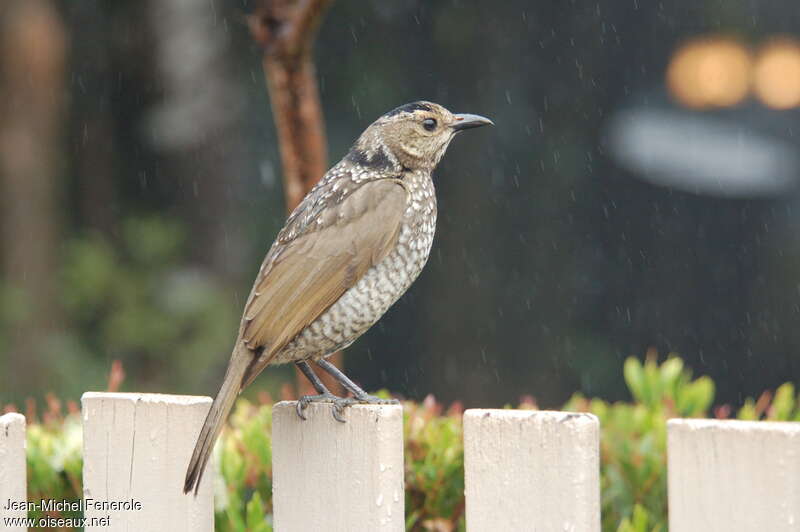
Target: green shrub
[(633, 442), (633, 452), (54, 454)]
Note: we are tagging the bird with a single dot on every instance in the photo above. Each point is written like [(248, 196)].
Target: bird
[(347, 252)]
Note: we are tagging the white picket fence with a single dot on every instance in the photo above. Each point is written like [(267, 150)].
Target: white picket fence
[(524, 470)]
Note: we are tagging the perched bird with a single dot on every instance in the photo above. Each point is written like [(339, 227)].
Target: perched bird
[(349, 250)]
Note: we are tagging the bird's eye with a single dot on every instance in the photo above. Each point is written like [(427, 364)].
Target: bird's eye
[(429, 124)]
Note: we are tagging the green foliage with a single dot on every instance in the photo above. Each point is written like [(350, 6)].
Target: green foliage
[(633, 446), (243, 494), (633, 452), (54, 455), (640, 521), (783, 406), (434, 461), (136, 302)]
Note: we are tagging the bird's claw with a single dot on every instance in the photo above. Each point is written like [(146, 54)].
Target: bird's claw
[(306, 400), (340, 403), (375, 400)]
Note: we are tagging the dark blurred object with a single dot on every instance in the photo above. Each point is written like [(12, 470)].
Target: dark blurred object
[(725, 156), (32, 84), (196, 125)]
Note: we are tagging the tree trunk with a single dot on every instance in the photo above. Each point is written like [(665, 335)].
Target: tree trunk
[(32, 57)]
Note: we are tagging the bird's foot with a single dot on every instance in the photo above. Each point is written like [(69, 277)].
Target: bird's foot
[(306, 400), (367, 399), (343, 402), (340, 403)]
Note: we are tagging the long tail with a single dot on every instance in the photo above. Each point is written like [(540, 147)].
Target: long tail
[(240, 360)]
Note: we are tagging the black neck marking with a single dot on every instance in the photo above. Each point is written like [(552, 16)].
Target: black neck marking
[(377, 160)]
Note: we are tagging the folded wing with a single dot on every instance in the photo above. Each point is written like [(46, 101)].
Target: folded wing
[(308, 274)]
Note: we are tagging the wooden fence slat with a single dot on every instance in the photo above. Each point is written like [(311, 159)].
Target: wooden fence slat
[(136, 448), (13, 481), (336, 476), (733, 475), (531, 470)]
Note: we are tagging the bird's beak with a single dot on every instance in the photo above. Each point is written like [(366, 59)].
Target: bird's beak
[(467, 121)]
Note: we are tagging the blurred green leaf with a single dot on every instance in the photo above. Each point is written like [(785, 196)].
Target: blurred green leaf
[(256, 517), (153, 240), (634, 378), (783, 404)]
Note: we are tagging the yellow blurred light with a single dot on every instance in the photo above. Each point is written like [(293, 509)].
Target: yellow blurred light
[(711, 72), (776, 78)]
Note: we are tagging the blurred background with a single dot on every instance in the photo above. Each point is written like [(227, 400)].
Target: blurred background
[(639, 191)]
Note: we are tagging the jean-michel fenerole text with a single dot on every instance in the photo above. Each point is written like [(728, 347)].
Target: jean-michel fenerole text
[(79, 505)]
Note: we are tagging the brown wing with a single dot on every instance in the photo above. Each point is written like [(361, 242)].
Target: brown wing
[(308, 274)]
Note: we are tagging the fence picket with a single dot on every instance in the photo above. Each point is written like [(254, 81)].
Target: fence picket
[(336, 476), (13, 480), (733, 475), (531, 470), (136, 448)]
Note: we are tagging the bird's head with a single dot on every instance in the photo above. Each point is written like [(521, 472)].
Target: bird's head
[(416, 135)]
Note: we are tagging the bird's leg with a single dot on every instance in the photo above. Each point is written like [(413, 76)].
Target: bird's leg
[(312, 377), (360, 396), (325, 395)]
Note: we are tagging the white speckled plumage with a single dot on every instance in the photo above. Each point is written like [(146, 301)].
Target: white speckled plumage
[(364, 303)]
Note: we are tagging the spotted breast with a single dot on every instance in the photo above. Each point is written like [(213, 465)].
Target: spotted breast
[(364, 303)]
